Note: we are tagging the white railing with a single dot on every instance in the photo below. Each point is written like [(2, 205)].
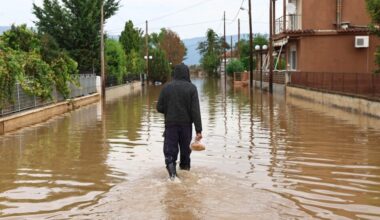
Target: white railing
[(292, 23)]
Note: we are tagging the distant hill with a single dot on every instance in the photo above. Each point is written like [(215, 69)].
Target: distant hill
[(193, 57), (4, 28)]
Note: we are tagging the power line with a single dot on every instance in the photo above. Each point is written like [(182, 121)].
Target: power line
[(191, 24), (220, 25), (176, 12), (238, 12)]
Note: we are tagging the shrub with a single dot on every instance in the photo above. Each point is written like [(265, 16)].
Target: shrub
[(235, 66)]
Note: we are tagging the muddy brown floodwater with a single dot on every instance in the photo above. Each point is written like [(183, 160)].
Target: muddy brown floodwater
[(266, 158)]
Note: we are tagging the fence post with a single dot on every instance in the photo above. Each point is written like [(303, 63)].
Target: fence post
[(356, 75), (373, 85), (18, 97)]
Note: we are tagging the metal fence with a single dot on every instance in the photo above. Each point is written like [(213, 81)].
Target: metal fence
[(278, 76), (366, 84), (112, 81), (23, 101)]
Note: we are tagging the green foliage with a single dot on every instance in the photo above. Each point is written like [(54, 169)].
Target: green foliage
[(258, 39), (65, 70), (211, 49), (135, 63), (377, 54), (373, 7), (116, 60), (281, 65), (212, 44), (21, 38), (131, 38), (10, 67), (245, 62), (37, 77), (75, 25), (155, 39), (159, 67), (49, 48), (235, 66), (35, 62), (210, 63), (133, 44)]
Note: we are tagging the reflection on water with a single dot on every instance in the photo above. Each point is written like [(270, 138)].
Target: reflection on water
[(267, 157)]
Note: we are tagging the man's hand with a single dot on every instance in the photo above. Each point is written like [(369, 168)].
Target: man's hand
[(198, 137)]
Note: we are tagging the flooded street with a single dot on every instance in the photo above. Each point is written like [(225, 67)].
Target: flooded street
[(266, 158)]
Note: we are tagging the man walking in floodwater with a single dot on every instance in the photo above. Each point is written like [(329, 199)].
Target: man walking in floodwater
[(179, 103)]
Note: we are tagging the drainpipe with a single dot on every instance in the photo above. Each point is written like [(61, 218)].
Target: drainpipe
[(338, 13), (284, 16)]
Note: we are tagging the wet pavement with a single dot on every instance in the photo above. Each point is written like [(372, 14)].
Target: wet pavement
[(266, 158)]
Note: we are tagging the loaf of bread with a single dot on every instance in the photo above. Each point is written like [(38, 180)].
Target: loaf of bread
[(197, 146)]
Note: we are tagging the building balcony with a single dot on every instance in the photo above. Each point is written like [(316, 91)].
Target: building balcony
[(292, 23)]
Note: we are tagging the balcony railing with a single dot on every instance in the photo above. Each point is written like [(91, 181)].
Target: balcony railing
[(292, 23)]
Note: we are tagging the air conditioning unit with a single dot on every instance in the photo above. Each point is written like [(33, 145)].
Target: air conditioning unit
[(361, 42)]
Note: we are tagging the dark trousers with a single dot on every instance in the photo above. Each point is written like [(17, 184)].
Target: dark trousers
[(178, 135)]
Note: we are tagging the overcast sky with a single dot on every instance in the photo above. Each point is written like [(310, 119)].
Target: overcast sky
[(189, 18)]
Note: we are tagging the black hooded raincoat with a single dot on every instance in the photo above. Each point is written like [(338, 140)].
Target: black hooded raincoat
[(179, 100)]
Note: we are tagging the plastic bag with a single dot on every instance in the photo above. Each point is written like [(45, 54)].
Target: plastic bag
[(197, 146)]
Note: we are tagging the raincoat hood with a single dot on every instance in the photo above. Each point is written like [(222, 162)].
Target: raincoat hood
[(181, 72)]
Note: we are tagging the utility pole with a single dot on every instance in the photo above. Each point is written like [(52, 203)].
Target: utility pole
[(238, 47), (224, 49), (102, 66), (270, 46), (250, 47), (232, 48), (147, 53)]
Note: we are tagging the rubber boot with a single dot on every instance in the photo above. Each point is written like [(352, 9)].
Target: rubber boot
[(172, 171), (184, 167)]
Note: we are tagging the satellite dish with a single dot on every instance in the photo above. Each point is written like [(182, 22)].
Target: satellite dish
[(291, 8)]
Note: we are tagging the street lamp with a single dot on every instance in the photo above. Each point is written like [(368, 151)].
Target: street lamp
[(147, 69), (261, 49)]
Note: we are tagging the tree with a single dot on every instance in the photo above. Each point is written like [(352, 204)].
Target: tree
[(135, 63), (258, 39), (133, 44), (75, 25), (131, 38), (373, 7), (211, 50), (159, 67), (174, 48), (116, 61)]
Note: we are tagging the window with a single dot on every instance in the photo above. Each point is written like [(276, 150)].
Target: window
[(293, 58)]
